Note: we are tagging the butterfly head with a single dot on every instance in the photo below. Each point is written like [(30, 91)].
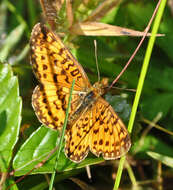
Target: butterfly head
[(101, 86)]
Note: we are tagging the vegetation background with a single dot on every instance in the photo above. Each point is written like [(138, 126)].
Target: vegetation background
[(149, 162)]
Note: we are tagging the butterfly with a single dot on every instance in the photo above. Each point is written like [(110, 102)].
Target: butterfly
[(92, 125)]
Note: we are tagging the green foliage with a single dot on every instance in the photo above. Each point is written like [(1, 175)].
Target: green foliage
[(10, 116), (22, 153), (10, 42), (151, 143), (160, 157), (37, 147)]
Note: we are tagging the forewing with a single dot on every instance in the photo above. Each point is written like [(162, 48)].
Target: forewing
[(53, 63)]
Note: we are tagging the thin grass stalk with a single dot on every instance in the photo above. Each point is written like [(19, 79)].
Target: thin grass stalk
[(141, 82), (61, 137)]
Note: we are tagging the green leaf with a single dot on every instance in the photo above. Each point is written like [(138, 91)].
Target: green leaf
[(10, 115), (163, 158), (37, 147), (10, 183)]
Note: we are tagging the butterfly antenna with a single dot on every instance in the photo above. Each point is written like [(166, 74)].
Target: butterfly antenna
[(98, 72)]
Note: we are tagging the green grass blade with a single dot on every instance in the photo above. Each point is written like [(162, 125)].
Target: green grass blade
[(167, 160), (140, 84), (62, 137), (11, 42)]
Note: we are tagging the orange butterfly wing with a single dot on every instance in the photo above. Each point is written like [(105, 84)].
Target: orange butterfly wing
[(100, 130), (55, 68)]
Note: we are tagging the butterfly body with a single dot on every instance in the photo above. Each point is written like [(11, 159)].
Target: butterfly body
[(92, 125), (89, 99)]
